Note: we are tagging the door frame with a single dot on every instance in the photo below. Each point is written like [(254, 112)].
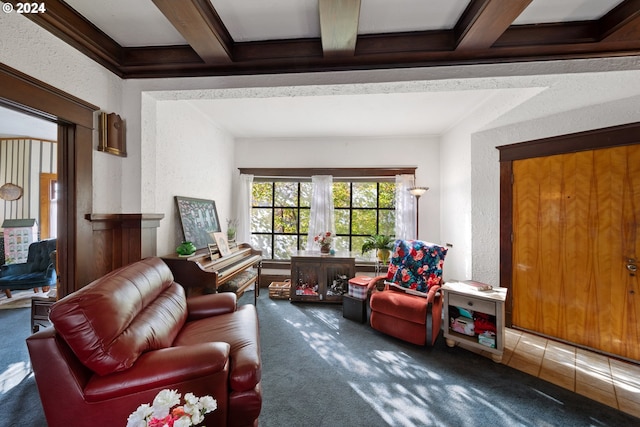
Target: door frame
[(614, 136), (75, 119)]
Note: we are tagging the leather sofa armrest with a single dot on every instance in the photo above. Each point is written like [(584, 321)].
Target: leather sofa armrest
[(161, 369), (204, 306)]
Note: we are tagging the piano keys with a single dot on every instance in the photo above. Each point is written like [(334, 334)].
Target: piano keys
[(206, 273)]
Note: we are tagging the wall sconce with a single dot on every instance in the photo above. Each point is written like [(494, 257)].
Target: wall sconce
[(417, 192), (112, 135)]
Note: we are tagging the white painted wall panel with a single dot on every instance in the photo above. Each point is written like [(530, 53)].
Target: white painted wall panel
[(194, 159)]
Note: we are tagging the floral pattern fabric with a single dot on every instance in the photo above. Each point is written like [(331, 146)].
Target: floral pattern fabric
[(416, 265)]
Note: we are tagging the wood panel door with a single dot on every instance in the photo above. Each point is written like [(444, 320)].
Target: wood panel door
[(576, 244), (48, 205)]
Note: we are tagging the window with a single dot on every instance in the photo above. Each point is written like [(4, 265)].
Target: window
[(280, 214)]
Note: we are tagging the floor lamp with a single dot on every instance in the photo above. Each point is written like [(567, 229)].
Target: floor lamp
[(417, 192)]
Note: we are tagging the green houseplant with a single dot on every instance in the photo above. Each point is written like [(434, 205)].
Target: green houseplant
[(383, 245)]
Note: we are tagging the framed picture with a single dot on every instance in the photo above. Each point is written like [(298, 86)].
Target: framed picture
[(198, 218), (223, 245)]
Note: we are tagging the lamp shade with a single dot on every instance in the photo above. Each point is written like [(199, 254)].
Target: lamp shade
[(418, 191)]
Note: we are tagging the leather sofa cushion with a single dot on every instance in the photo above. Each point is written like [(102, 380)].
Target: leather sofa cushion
[(239, 329), (113, 320)]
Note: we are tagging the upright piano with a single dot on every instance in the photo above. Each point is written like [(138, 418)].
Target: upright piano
[(208, 272)]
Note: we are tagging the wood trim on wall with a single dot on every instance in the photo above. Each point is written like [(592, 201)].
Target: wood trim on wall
[(337, 172), (75, 143), (121, 239), (613, 136)]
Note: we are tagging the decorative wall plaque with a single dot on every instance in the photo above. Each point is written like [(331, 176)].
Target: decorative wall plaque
[(10, 192), (112, 135)]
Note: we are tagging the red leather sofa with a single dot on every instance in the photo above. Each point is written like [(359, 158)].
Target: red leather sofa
[(120, 340)]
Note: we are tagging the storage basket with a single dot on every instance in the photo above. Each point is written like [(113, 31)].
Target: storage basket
[(280, 290), (358, 287)]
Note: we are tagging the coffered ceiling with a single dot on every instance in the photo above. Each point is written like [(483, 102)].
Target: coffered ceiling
[(170, 38)]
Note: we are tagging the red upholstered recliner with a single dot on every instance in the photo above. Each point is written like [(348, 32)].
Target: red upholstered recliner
[(407, 303), (120, 340)]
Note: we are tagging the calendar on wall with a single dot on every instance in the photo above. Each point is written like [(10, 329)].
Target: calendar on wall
[(18, 235)]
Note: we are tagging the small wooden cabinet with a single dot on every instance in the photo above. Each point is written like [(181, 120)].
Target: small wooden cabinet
[(485, 306), (320, 278)]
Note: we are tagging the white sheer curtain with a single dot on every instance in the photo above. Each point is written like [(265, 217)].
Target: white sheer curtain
[(321, 217), (243, 208), (405, 208)]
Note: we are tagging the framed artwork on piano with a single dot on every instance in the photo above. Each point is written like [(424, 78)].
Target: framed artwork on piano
[(223, 245), (198, 218)]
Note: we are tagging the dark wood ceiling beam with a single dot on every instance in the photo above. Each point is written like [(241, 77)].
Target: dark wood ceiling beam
[(484, 21), (339, 26), (375, 51), (622, 22), (306, 61), (68, 25), (281, 49), (565, 33), (200, 25)]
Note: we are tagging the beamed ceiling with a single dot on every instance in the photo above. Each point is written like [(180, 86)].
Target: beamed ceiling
[(172, 38)]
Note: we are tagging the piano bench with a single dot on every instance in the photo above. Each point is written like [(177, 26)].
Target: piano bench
[(240, 283)]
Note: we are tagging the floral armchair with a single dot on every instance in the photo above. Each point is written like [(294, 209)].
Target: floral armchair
[(406, 303)]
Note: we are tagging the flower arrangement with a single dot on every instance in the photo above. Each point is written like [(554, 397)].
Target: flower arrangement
[(324, 239), (160, 414)]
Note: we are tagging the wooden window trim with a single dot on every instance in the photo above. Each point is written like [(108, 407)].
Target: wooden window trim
[(335, 172)]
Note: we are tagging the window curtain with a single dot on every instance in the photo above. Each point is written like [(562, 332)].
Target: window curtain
[(321, 217), (405, 208), (243, 208)]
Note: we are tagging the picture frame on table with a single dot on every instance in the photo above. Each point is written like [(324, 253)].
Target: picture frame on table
[(198, 218)]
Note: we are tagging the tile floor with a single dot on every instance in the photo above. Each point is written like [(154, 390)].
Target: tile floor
[(601, 378)]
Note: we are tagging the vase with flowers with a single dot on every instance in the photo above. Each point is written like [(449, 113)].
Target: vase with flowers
[(324, 239), (167, 411)]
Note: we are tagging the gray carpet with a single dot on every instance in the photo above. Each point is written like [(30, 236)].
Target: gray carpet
[(17, 384), (320, 369)]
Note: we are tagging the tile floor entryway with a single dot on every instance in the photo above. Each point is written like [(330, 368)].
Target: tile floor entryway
[(609, 381)]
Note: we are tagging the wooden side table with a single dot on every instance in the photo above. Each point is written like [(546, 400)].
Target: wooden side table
[(40, 308), (491, 303)]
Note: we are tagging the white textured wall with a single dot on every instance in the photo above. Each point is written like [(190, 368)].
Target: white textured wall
[(30, 49), (485, 170), (194, 159), (424, 153)]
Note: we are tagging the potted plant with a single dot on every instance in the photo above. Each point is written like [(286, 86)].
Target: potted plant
[(383, 245), (232, 227)]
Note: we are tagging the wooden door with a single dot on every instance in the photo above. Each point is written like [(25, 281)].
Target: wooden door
[(48, 205), (576, 243)]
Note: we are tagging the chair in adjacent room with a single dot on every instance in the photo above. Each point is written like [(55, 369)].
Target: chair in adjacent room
[(407, 302), (38, 272)]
